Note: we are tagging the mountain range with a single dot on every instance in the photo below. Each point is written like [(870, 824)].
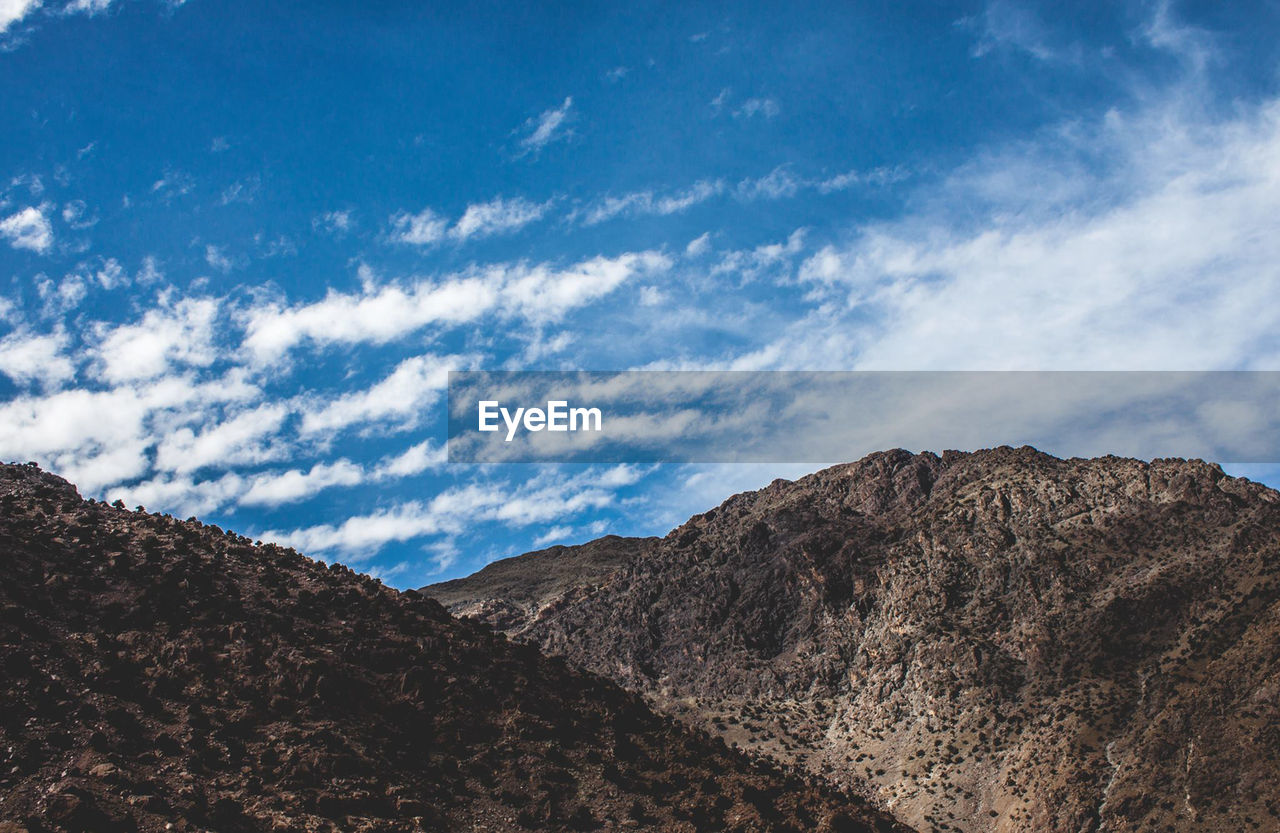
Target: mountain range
[(992, 641)]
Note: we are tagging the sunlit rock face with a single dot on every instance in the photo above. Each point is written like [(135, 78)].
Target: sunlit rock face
[(992, 641)]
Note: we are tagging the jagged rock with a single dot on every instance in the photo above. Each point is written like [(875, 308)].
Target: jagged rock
[(998, 641)]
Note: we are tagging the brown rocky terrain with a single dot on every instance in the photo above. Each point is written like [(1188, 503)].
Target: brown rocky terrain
[(998, 641), (159, 675), (513, 592)]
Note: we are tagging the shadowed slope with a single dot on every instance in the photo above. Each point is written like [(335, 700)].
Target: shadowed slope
[(161, 675)]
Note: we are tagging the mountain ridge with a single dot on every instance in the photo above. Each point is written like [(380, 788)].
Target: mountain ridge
[(998, 640), (165, 675)]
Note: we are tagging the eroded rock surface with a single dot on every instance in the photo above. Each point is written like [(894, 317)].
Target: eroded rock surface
[(999, 641)]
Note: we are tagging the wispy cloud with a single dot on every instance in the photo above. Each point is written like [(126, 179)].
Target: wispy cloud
[(1162, 259), (421, 229), (548, 127), (780, 183), (405, 396), (649, 202), (243, 191), (1005, 25), (750, 263), (377, 314), (764, 107), (497, 216), (75, 213), (89, 7), (248, 438), (540, 500), (276, 488), (216, 257), (334, 222), (479, 220)]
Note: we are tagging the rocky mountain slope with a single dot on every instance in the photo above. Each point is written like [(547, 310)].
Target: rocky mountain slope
[(164, 675), (513, 592), (999, 641)]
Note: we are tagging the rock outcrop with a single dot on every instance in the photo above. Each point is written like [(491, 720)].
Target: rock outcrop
[(998, 641)]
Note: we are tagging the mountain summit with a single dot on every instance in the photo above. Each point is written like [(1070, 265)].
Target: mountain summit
[(996, 641)]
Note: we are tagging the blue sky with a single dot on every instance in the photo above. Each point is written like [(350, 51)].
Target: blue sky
[(240, 247)]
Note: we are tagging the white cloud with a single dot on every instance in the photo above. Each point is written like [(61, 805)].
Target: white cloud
[(749, 263), (546, 128), (413, 460), (376, 315), (454, 510), (150, 272), (245, 438), (74, 215), (421, 229), (363, 535), (1163, 257), (89, 7), (334, 222), (647, 202), (542, 294), (27, 357), (554, 535), (765, 107), (111, 274), (404, 396), (720, 101), (59, 298), (777, 184), (181, 495), (98, 438), (379, 314), (28, 229), (12, 11), (217, 258), (180, 332), (652, 296), (699, 245), (497, 216), (274, 489)]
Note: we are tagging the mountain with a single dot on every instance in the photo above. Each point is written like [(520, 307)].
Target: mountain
[(996, 641), (511, 593), (160, 675)]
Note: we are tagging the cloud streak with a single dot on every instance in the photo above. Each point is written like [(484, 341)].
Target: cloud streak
[(380, 314), (550, 126)]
